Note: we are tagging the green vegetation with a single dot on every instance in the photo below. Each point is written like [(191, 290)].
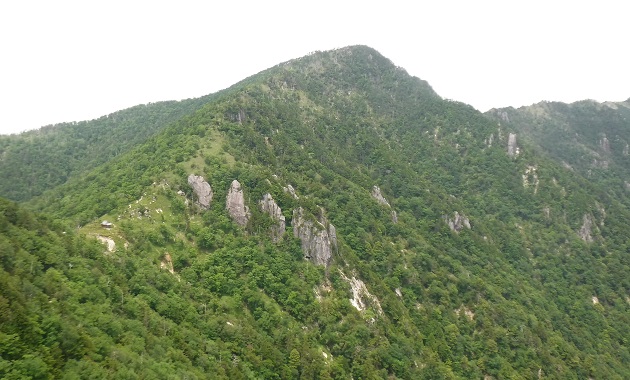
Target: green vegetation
[(36, 161), (189, 294)]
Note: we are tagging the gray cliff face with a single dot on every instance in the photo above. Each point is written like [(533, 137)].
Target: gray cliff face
[(458, 222), (268, 205), (376, 194), (586, 229), (604, 143), (202, 191), (235, 204), (512, 149), (289, 189), (318, 238)]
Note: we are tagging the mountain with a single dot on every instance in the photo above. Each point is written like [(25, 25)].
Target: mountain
[(35, 161), (330, 217), (590, 138)]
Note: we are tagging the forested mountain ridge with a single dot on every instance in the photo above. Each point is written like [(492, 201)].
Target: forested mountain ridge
[(587, 137), (35, 161), (457, 250)]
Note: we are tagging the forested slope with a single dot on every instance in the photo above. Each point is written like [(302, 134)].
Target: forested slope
[(468, 260), (589, 138), (35, 161)]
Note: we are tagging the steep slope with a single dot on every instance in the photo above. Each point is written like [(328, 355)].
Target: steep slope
[(587, 137), (438, 245), (36, 161)]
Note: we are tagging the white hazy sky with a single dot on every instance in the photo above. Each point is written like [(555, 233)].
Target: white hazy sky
[(78, 60)]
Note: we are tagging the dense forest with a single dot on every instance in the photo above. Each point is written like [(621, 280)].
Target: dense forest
[(461, 245), (35, 161)]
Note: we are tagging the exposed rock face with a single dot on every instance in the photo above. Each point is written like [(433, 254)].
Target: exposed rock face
[(602, 213), (202, 190), (530, 177), (466, 312), (361, 297), (504, 117), (604, 143), (513, 150), (111, 245), (489, 140), (167, 263), (319, 238), (270, 206), (235, 204), (585, 230), (376, 194), (394, 217), (289, 189), (458, 222)]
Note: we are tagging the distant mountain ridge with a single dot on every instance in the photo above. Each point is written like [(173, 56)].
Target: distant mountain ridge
[(588, 137), (35, 161)]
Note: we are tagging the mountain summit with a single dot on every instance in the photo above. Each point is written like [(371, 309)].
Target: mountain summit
[(330, 217)]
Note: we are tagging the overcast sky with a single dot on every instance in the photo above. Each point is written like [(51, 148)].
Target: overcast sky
[(78, 60)]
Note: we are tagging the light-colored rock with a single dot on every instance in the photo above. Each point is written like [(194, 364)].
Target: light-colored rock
[(167, 263), (394, 217), (602, 213), (235, 204), (604, 143), (361, 297), (458, 222), (289, 189), (376, 194), (466, 312), (319, 238), (504, 116), (109, 242), (585, 230), (530, 177), (268, 205), (489, 140), (512, 149), (595, 300), (202, 191)]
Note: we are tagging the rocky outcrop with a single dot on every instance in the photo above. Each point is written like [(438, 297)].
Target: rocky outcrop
[(585, 230), (289, 189), (269, 206), (489, 140), (235, 204), (504, 116), (512, 148), (361, 297), (109, 242), (604, 143), (394, 217), (202, 191), (319, 238), (530, 177), (463, 310), (458, 222), (167, 263), (376, 194)]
